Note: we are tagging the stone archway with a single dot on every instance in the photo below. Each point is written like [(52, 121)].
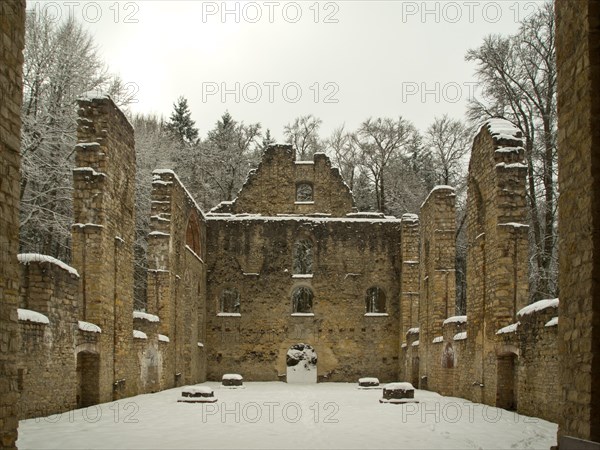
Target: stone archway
[(301, 361)]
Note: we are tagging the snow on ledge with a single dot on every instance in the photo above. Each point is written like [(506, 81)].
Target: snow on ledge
[(26, 258), (399, 386), (224, 314), (538, 306), (304, 203), (302, 275), (512, 328), (368, 380), (416, 343), (455, 319), (303, 314), (145, 316), (552, 322), (502, 129), (514, 225), (137, 334), (404, 345), (232, 376), (28, 315), (88, 326), (158, 233), (374, 314), (437, 340), (200, 344), (460, 336), (413, 330), (95, 94), (440, 187), (163, 338)]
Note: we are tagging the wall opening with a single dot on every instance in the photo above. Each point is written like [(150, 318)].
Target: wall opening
[(302, 300), (375, 300), (230, 301), (448, 357), (301, 361), (414, 379), (304, 192), (88, 379), (303, 257), (192, 234), (506, 382)]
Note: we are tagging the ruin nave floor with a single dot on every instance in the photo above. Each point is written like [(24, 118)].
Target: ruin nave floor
[(279, 415)]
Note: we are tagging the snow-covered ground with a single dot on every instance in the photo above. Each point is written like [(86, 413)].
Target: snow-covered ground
[(278, 415)]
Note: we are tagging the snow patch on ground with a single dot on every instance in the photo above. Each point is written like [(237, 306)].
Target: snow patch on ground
[(321, 416)]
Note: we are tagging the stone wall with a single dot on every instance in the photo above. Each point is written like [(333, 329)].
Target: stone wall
[(47, 364), (177, 279), (409, 286), (255, 254), (437, 277), (578, 62), (271, 189), (103, 234), (497, 252), (12, 30)]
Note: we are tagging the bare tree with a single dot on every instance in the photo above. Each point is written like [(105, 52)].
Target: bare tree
[(303, 134), (449, 141), (61, 62), (518, 75), (380, 141), (343, 149)]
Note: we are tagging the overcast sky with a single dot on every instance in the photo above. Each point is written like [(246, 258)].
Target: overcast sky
[(270, 62)]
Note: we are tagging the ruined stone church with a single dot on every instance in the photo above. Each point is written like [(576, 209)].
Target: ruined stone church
[(291, 262)]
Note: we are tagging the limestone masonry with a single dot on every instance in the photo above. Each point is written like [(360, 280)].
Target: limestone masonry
[(290, 276)]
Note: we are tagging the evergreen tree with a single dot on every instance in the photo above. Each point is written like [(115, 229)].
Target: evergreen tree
[(181, 125), (267, 140)]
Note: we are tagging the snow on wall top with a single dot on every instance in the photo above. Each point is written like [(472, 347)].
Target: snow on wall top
[(163, 338), (440, 187), (399, 387), (538, 306), (139, 334), (290, 217), (28, 315), (156, 179), (145, 316), (232, 376), (410, 218), (552, 322), (368, 380), (503, 129), (26, 258), (95, 94), (509, 329), (455, 319), (413, 330), (88, 326), (460, 336)]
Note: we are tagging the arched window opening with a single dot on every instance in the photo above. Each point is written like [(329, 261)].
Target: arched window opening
[(302, 300), (192, 234), (375, 300), (303, 257), (230, 301), (304, 192)]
